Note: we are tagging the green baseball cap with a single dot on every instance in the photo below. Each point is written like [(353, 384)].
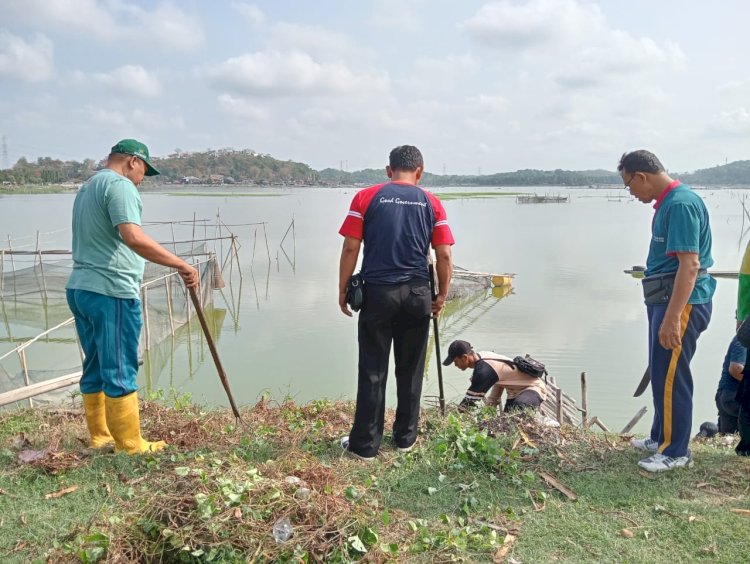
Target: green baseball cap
[(137, 149)]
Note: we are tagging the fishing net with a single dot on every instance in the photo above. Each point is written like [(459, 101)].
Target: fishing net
[(32, 302)]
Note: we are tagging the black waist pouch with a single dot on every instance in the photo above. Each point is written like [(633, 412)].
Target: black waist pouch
[(658, 289), (355, 292)]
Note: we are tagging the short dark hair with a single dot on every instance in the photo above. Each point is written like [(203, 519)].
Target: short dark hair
[(640, 161), (405, 157)]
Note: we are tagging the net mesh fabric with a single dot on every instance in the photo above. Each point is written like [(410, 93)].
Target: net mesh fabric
[(33, 301)]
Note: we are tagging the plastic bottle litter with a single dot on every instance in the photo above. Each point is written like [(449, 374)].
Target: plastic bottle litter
[(282, 530), (302, 493)]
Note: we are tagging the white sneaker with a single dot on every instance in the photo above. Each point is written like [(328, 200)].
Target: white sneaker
[(404, 450), (345, 446), (661, 463), (646, 445)]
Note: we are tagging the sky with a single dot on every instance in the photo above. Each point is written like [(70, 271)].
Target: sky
[(478, 86)]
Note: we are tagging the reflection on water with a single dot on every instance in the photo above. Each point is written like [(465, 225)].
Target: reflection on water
[(281, 330)]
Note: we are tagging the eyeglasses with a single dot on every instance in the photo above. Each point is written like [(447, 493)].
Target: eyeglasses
[(627, 184)]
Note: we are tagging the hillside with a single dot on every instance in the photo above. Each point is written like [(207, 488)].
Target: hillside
[(247, 167)]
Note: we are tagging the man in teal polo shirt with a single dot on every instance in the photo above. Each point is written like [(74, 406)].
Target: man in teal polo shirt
[(103, 292), (678, 292)]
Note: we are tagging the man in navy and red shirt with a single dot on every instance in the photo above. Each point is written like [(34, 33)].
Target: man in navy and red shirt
[(397, 221), (678, 293)]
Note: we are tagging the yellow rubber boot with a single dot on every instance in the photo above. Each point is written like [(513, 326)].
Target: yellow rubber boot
[(124, 423), (96, 421)]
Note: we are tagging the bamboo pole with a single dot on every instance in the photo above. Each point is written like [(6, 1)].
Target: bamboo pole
[(144, 307), (584, 398), (25, 368), (268, 251), (28, 392), (237, 256), (25, 344), (168, 289), (192, 243), (634, 420), (41, 265), (12, 264), (2, 272), (219, 231), (174, 244)]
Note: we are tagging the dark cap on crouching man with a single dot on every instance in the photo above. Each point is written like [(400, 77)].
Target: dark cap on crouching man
[(492, 373)]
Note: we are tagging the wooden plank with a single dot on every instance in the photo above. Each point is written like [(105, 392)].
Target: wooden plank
[(634, 420), (39, 388)]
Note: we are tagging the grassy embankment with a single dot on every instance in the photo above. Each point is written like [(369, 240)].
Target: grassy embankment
[(477, 488)]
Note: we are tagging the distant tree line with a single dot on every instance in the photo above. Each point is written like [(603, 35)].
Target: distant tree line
[(222, 166), (230, 166)]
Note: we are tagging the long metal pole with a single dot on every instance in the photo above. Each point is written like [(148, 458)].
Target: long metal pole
[(441, 397), (214, 352)]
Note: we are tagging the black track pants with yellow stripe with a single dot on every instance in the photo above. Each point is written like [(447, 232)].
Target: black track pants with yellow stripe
[(671, 379)]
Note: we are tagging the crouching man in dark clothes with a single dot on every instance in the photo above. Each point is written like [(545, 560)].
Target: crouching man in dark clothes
[(495, 373)]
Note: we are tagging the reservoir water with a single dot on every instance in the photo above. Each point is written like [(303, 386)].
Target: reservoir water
[(571, 307)]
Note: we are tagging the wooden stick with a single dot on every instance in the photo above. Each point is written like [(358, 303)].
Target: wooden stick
[(584, 398), (598, 422), (634, 420), (559, 406), (214, 352)]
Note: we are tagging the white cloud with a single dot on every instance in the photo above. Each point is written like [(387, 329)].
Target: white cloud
[(107, 117), (30, 60), (251, 12), (273, 73), (506, 25), (489, 103), (449, 65), (732, 123), (242, 107), (396, 15), (619, 57), (119, 120), (312, 39), (733, 86), (128, 79), (164, 26)]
